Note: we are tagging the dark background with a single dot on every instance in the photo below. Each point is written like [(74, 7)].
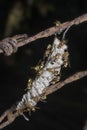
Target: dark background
[(65, 109)]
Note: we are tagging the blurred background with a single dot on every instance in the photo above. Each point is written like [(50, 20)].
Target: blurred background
[(65, 109)]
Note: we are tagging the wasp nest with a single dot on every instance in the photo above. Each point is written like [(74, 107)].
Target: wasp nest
[(48, 73)]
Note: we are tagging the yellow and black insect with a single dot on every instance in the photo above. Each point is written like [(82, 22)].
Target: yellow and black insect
[(47, 52), (29, 84), (66, 59)]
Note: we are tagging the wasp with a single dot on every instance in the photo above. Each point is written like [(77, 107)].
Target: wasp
[(63, 42), (55, 80), (66, 59), (57, 23), (40, 66), (30, 81), (47, 52), (54, 58)]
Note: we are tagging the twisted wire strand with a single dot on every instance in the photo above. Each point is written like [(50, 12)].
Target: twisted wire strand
[(10, 45)]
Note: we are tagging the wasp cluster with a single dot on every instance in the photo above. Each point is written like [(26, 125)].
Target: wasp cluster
[(39, 68), (47, 73)]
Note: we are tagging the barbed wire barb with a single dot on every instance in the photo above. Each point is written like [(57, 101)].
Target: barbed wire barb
[(10, 46), (23, 39)]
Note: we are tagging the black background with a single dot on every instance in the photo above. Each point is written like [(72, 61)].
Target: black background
[(65, 109)]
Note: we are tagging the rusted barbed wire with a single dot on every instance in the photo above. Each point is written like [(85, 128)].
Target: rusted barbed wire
[(11, 114), (9, 45)]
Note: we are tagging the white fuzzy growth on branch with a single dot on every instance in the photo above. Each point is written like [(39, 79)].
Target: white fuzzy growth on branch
[(53, 65)]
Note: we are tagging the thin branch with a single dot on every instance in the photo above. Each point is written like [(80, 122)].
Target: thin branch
[(46, 33), (11, 114)]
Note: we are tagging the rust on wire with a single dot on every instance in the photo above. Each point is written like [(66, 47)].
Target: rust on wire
[(10, 46), (11, 114), (21, 40)]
